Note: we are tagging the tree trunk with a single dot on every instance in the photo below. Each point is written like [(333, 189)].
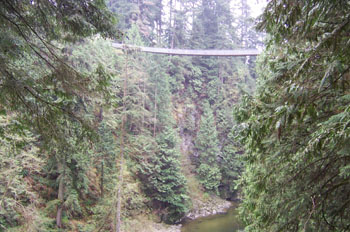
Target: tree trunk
[(60, 196), (102, 179), (172, 25), (155, 112), (143, 103), (122, 144), (119, 198)]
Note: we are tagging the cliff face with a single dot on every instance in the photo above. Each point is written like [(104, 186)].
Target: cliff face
[(203, 203)]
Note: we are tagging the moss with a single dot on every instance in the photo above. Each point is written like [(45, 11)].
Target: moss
[(51, 208)]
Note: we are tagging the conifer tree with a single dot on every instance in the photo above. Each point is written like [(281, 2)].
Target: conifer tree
[(296, 127), (146, 15), (207, 150), (46, 95), (163, 180)]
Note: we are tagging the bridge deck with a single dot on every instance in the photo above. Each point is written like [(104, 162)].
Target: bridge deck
[(186, 52)]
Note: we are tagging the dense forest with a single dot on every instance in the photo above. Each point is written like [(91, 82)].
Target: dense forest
[(93, 138)]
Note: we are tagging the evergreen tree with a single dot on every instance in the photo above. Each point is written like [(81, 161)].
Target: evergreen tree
[(19, 163), (165, 184), (296, 127), (76, 114), (207, 150), (45, 95), (163, 180), (146, 15)]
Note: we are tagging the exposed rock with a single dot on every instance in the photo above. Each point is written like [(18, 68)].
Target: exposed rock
[(216, 206), (142, 224), (174, 228)]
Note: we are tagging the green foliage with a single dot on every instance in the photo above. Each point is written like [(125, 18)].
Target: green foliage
[(192, 80), (47, 132), (18, 162), (167, 181), (230, 166), (51, 208), (145, 15), (36, 81), (160, 171), (296, 127), (207, 151), (209, 176), (64, 92)]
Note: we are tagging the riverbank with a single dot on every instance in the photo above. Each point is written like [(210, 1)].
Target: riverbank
[(228, 222), (143, 223), (212, 206)]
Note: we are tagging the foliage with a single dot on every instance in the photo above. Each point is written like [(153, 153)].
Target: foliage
[(44, 98), (64, 92), (19, 162), (207, 150), (296, 127), (146, 16), (35, 79), (164, 183)]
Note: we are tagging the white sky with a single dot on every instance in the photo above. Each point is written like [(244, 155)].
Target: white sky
[(257, 6)]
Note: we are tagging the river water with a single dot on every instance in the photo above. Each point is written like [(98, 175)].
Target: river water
[(228, 222)]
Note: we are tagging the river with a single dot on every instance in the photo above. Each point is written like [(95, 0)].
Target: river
[(228, 222)]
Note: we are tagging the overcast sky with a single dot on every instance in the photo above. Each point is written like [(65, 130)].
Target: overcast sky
[(257, 6)]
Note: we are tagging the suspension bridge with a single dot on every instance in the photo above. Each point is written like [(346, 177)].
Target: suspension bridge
[(188, 52)]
